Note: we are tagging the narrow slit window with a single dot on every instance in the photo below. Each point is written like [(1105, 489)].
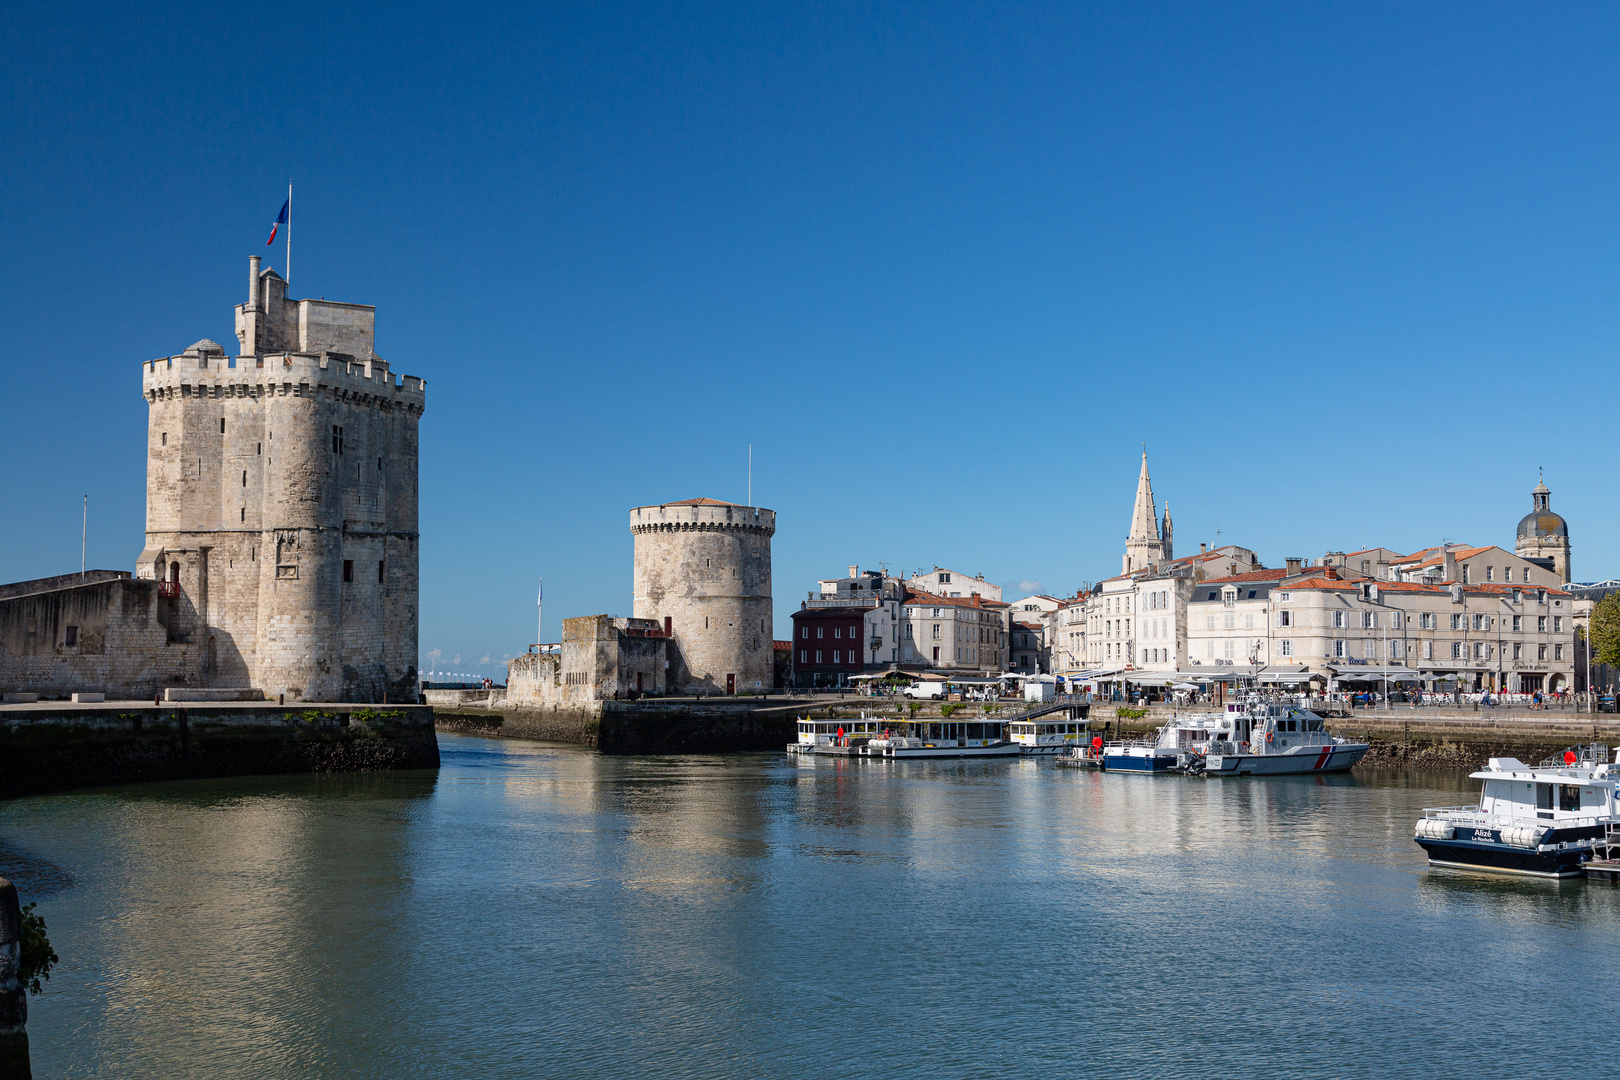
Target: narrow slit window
[(348, 569), (381, 570)]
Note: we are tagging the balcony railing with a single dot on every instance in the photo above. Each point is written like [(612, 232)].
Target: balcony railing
[(170, 589)]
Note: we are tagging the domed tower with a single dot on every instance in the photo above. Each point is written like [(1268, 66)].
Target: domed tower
[(1544, 534), (703, 567), (281, 504)]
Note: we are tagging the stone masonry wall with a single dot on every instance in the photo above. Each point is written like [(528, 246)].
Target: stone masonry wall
[(122, 649)]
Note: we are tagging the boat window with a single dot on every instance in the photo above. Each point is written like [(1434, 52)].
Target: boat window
[(1544, 796), (1569, 797)]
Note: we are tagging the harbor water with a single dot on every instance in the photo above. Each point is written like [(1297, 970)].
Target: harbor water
[(531, 910)]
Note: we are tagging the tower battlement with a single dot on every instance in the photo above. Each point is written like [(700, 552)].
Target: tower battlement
[(702, 514), (205, 374)]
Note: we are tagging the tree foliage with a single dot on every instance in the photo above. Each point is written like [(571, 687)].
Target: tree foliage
[(37, 955), (1606, 630)]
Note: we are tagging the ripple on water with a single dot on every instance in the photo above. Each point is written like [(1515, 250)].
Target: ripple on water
[(534, 910)]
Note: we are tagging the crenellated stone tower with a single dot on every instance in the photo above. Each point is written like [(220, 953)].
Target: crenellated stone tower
[(281, 502), (703, 567)]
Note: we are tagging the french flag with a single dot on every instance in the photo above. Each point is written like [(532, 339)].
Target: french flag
[(281, 219)]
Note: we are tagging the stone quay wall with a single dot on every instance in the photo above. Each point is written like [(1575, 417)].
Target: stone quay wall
[(661, 726), (55, 748)]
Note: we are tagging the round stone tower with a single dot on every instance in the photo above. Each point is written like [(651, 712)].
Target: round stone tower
[(703, 568), (1544, 534)]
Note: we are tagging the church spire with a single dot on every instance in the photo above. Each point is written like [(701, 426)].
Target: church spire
[(1144, 545)]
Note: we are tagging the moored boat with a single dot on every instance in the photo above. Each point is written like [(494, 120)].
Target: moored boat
[(1548, 820), (1261, 738), (1142, 755)]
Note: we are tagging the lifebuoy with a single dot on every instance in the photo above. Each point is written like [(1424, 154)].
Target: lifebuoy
[(1270, 735)]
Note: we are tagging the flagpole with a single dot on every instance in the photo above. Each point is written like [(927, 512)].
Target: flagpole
[(289, 237)]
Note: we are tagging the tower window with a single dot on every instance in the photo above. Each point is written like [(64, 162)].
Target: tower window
[(165, 438), (348, 569), (260, 449), (337, 439), (381, 566), (379, 464), (244, 513), (244, 478), (222, 425)]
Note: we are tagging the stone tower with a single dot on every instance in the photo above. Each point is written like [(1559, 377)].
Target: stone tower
[(1544, 534), (281, 505), (703, 567), (1166, 532), (1144, 545)]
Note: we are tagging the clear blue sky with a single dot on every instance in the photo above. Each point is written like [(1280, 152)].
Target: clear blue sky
[(1350, 270)]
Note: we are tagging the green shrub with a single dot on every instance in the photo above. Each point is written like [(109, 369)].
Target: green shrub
[(914, 706), (947, 709), (37, 955), (1130, 714)]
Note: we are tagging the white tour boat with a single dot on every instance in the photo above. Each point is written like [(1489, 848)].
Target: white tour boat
[(1547, 820)]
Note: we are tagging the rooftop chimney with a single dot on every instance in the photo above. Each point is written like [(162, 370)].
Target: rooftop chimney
[(1295, 566), (1449, 566), (253, 282), (1330, 573), (1202, 547), (854, 571)]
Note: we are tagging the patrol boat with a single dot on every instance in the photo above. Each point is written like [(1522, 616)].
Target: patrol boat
[(1547, 820), (1259, 738)]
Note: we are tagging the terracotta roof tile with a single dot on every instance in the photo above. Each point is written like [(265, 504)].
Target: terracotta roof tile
[(1252, 575), (1331, 584)]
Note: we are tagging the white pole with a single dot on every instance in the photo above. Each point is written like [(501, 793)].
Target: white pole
[(750, 474), (84, 534), (289, 237), (539, 615)]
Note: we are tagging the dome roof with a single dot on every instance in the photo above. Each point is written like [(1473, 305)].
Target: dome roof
[(206, 345), (1539, 524)]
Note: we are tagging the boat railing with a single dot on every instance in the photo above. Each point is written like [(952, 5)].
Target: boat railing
[(1452, 811)]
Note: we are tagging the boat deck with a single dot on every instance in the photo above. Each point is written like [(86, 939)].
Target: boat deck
[(1603, 869)]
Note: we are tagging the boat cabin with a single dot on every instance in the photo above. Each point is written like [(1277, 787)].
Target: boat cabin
[(949, 732), (1552, 792), (825, 732), (1054, 733)]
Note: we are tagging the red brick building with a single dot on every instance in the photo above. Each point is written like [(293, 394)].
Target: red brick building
[(827, 645)]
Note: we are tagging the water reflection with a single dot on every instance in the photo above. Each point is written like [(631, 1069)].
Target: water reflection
[(542, 911)]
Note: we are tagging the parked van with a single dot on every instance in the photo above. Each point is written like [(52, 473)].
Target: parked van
[(929, 689)]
